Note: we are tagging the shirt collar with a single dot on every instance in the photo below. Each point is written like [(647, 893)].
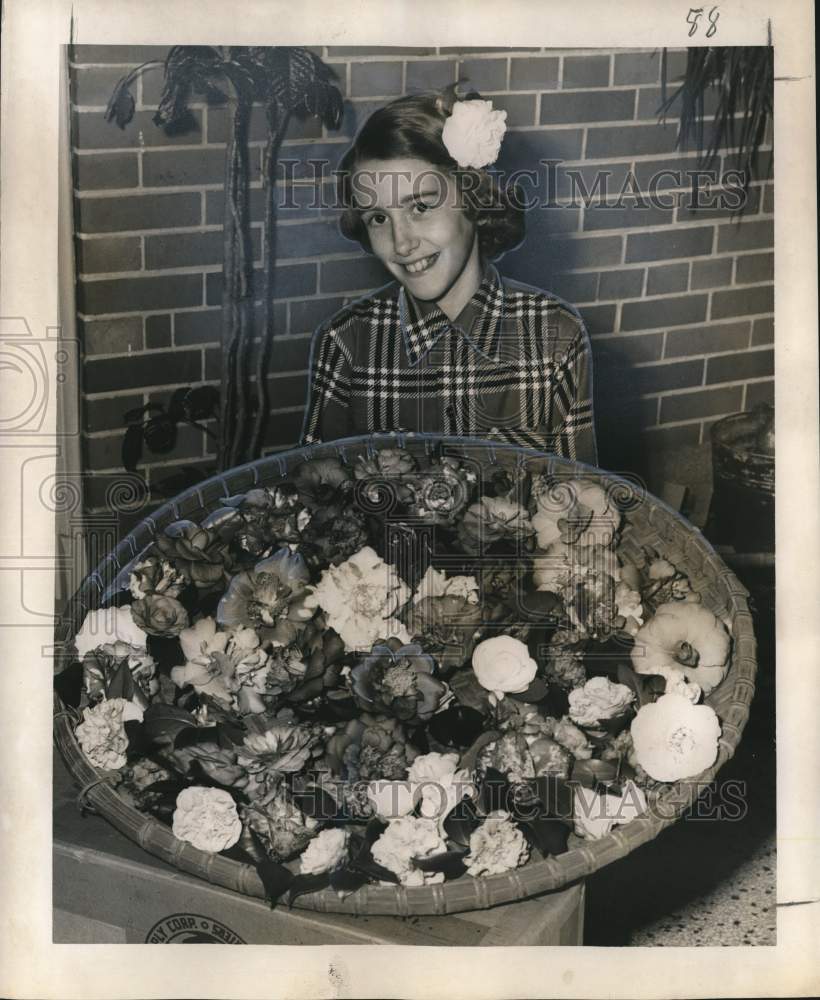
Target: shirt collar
[(479, 322)]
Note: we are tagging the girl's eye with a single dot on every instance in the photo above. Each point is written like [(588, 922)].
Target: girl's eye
[(375, 220), (420, 207)]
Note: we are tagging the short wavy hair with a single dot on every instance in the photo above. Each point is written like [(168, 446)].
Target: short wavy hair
[(411, 128)]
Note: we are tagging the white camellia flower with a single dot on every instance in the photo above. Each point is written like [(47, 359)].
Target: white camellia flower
[(503, 665), (325, 852), (404, 839), (207, 818), (441, 784), (496, 846), (360, 598), (102, 735), (628, 605), (109, 625), (675, 739), (202, 639), (597, 700), (473, 133), (595, 815), (434, 583), (392, 799)]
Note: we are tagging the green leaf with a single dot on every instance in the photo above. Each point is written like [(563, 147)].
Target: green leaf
[(121, 684)]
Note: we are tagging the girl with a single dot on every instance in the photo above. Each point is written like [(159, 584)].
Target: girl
[(450, 347)]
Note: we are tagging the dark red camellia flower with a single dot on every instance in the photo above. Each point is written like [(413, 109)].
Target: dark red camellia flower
[(398, 680), (200, 553), (319, 480)]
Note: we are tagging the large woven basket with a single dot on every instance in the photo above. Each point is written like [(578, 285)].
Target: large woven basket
[(650, 523)]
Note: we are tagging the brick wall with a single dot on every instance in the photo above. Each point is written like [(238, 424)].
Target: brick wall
[(678, 300)]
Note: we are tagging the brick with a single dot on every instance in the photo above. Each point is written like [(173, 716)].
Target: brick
[(759, 392), (705, 403), (670, 173), (97, 171), (92, 87), (763, 169), (676, 61), (637, 215), (310, 239), (753, 268), (104, 452), (355, 114), (284, 429), (599, 319), (739, 367), (663, 377), (669, 439), (112, 336), (768, 199), (381, 79), (520, 108), (290, 281), (587, 106), (534, 73), (648, 409), (112, 374), (461, 49), (305, 316), (565, 254), (90, 130), (120, 55), (638, 349), (106, 254), (287, 390), (745, 235), (484, 75), (650, 100), (637, 67), (716, 204), (107, 413), (593, 184), (291, 353), (192, 249), (667, 278), (121, 295), (666, 246), (524, 150), (630, 140), (626, 284), (219, 119), (550, 222), (325, 157), (575, 288), (429, 75), (711, 273), (340, 76), (707, 339), (743, 302), (157, 331), (676, 310), (124, 213), (200, 327), (586, 71), (374, 50), (363, 273), (763, 331), (185, 167)]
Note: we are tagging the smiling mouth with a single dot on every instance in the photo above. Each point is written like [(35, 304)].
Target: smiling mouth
[(419, 266)]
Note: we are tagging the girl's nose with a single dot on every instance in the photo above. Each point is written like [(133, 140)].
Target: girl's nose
[(405, 240)]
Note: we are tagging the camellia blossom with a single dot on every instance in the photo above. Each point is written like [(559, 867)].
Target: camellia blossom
[(404, 839), (398, 680), (597, 700), (392, 799), (102, 734), (207, 818), (109, 625), (675, 739), (496, 846), (160, 615), (473, 133), (268, 593), (628, 604), (360, 598), (503, 665), (434, 583), (440, 783), (325, 852), (595, 815)]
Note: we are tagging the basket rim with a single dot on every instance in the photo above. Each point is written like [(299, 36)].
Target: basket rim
[(462, 894)]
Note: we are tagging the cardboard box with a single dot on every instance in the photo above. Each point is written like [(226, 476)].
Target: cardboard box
[(107, 890)]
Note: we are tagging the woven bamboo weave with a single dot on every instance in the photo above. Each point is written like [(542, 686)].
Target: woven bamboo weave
[(651, 524)]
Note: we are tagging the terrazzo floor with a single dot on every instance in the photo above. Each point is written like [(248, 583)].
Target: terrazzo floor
[(702, 881)]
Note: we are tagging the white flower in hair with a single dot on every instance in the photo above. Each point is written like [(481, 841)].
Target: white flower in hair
[(473, 133)]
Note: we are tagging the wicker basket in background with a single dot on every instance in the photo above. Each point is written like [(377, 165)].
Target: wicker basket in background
[(651, 524)]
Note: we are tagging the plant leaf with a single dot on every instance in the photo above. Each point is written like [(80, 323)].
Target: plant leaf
[(345, 881), (121, 104), (121, 684), (166, 650), (69, 684), (132, 447), (461, 821), (275, 878), (549, 835), (302, 884), (317, 803), (165, 722), (451, 863)]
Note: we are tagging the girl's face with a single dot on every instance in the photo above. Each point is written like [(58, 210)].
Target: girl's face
[(418, 229)]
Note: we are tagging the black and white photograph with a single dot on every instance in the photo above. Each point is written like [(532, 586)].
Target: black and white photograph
[(407, 430)]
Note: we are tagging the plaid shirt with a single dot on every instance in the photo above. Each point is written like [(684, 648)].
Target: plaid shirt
[(513, 366)]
